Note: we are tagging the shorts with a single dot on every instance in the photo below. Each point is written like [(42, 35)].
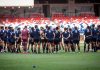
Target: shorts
[(94, 39), (8, 40), (76, 41), (88, 40), (66, 41), (70, 42), (1, 48), (36, 40), (45, 40), (12, 41), (50, 40), (42, 40), (19, 41), (60, 39), (2, 38), (31, 41), (56, 41), (5, 39), (98, 40)]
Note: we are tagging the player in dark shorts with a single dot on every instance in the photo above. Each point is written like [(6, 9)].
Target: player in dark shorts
[(50, 38), (94, 38), (42, 36), (57, 39), (2, 32), (24, 38), (36, 36), (31, 40), (61, 43), (88, 38), (76, 38), (1, 42), (66, 36), (71, 47), (5, 38), (18, 40), (98, 37), (12, 41), (8, 39)]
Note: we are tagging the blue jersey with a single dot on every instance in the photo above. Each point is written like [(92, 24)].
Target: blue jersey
[(36, 34), (87, 32), (8, 33), (71, 36), (98, 33), (49, 34), (94, 32), (2, 32), (12, 34), (57, 34), (17, 33), (5, 33), (12, 37), (45, 31), (31, 33), (76, 34), (65, 35)]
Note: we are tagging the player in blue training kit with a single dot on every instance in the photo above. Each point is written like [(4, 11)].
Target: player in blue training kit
[(5, 38), (18, 40), (50, 38), (31, 41), (12, 41), (98, 37), (8, 39), (94, 38), (66, 36), (57, 38), (36, 36), (2, 37), (70, 44), (76, 38), (88, 38)]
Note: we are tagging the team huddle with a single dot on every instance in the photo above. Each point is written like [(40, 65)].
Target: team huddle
[(50, 40)]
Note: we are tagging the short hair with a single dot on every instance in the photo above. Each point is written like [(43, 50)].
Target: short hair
[(25, 26), (70, 29), (88, 27), (2, 27), (93, 25), (65, 28), (57, 28), (36, 26), (75, 27)]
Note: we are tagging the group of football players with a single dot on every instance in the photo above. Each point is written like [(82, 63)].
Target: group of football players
[(48, 40)]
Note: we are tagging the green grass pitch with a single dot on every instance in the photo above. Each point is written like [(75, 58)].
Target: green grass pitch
[(59, 61)]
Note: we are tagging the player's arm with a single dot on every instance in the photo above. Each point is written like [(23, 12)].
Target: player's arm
[(79, 35), (68, 36), (46, 35), (21, 36), (53, 35), (60, 34)]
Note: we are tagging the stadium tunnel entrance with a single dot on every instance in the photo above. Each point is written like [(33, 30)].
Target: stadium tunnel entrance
[(46, 10), (97, 9)]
